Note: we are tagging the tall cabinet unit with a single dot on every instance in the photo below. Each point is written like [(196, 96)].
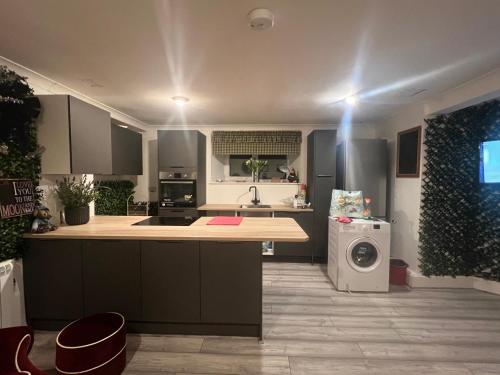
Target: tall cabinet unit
[(182, 155), (321, 156)]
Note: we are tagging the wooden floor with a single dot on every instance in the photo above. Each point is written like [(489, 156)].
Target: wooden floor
[(312, 329)]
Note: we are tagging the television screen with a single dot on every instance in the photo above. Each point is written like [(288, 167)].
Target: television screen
[(489, 172)]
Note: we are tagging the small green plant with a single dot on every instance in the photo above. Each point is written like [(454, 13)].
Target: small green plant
[(74, 194), (256, 166)]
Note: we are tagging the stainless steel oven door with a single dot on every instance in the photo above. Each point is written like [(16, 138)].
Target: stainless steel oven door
[(177, 193)]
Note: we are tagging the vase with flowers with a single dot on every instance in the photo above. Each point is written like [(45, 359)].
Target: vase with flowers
[(256, 166)]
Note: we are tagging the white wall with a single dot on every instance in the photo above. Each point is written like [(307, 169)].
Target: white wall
[(405, 193)]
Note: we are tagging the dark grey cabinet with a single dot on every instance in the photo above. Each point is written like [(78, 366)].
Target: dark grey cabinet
[(76, 136), (231, 282), (177, 148), (321, 167), (112, 277), (293, 249), (170, 281), (126, 147), (53, 280)]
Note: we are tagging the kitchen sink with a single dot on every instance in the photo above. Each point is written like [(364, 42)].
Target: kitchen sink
[(255, 206)]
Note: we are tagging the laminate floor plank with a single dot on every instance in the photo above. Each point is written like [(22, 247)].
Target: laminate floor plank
[(271, 320), (432, 352), (327, 366), (484, 368), (333, 334), (269, 347), (203, 363)]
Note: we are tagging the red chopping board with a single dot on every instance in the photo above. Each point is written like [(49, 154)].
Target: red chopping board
[(226, 220)]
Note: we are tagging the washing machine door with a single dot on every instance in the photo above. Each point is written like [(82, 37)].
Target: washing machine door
[(363, 254)]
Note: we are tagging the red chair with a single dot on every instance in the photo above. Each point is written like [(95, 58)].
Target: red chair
[(15, 344)]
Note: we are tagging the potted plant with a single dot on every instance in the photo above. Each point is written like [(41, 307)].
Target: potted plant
[(76, 196), (256, 166)]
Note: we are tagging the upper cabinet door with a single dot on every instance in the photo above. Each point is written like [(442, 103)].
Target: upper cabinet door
[(325, 147), (76, 136), (177, 148), (126, 151), (90, 138)]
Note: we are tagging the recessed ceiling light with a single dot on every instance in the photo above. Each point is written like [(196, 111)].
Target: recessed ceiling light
[(122, 126), (351, 100), (180, 100)]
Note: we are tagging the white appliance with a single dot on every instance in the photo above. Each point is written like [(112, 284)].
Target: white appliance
[(358, 255), (12, 311)]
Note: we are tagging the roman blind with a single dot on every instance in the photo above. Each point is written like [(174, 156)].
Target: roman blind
[(256, 142)]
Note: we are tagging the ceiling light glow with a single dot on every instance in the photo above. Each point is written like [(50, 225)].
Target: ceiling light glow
[(351, 100), (180, 101), (123, 126)]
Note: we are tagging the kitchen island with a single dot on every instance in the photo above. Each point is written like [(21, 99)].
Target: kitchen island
[(198, 279)]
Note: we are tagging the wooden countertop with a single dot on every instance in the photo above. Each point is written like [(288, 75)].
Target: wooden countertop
[(120, 227), (237, 207)]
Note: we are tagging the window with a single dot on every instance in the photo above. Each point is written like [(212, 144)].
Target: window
[(237, 167), (274, 162)]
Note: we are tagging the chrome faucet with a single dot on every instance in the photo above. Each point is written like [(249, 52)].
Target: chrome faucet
[(255, 200)]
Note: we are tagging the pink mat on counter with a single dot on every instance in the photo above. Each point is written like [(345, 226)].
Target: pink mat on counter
[(226, 220)]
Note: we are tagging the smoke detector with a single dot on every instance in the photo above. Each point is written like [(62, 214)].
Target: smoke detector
[(260, 19)]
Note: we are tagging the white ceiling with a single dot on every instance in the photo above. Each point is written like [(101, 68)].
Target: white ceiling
[(136, 55)]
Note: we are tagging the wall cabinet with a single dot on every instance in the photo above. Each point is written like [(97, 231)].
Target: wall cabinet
[(231, 282), (302, 249), (170, 281), (126, 150), (76, 136), (53, 279), (177, 148), (112, 277)]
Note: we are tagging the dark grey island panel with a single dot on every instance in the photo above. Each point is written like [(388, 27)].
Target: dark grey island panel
[(231, 279), (112, 277), (53, 281), (175, 287), (171, 281)]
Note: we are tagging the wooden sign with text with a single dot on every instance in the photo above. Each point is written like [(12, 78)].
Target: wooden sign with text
[(17, 198)]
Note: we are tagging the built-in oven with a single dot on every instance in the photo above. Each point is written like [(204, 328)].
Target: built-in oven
[(177, 189)]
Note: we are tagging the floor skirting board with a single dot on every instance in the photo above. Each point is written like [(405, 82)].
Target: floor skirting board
[(417, 280)]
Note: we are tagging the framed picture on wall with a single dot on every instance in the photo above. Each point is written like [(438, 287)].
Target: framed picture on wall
[(408, 158)]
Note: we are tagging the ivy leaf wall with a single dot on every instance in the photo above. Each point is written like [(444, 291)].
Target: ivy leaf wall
[(460, 218), (19, 152)]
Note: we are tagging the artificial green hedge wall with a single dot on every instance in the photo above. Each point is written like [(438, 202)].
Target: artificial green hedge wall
[(460, 218), (113, 195), (19, 152)]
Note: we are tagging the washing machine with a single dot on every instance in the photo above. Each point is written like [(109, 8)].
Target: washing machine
[(358, 255)]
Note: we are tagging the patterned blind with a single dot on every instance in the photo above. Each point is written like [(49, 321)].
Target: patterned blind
[(256, 142)]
